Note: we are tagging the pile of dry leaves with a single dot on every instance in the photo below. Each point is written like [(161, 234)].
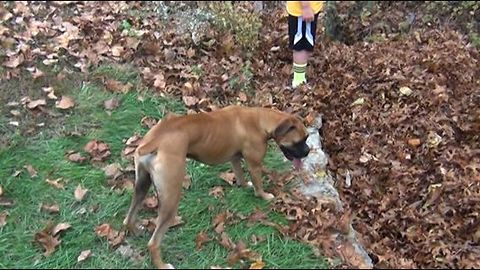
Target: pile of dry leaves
[(402, 117)]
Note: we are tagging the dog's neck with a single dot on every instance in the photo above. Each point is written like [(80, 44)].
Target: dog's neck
[(270, 123)]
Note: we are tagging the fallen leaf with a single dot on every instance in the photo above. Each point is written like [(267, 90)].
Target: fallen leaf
[(98, 150), (216, 191), (201, 239), (35, 103), (159, 81), (3, 219), (112, 171), (60, 227), (76, 157), (241, 252), (225, 241), (117, 50), (31, 170), (177, 220), (128, 252), (111, 104), (14, 61), (242, 97), (80, 193), (186, 182), (56, 183), (116, 86), (257, 215), (65, 103), (6, 202), (52, 209), (228, 177), (151, 202), (84, 255), (414, 142), (358, 101), (190, 100), (406, 91), (148, 122), (103, 230), (257, 265), (47, 240), (15, 112)]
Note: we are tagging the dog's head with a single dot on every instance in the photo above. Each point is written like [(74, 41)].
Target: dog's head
[(291, 136)]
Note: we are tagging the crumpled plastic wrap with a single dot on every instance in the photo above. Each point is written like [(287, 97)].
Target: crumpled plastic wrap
[(319, 183)]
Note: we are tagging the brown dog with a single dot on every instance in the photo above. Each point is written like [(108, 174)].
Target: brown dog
[(225, 135)]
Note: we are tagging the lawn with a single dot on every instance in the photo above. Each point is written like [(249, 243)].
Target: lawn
[(46, 151)]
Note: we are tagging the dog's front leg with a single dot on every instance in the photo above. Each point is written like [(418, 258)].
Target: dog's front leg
[(254, 162)]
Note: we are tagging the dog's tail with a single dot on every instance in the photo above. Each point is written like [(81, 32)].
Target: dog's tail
[(149, 144)]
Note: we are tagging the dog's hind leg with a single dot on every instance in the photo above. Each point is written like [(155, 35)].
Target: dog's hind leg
[(142, 184), (168, 183)]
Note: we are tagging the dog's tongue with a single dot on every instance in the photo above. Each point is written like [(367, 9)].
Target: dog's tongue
[(297, 163)]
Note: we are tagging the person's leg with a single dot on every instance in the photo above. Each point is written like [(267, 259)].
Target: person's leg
[(302, 46)]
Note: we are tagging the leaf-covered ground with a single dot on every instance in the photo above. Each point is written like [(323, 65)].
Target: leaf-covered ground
[(402, 115)]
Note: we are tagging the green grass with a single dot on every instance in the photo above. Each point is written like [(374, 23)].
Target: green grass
[(46, 153)]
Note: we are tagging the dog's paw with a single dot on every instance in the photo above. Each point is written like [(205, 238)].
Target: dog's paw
[(267, 196), (168, 266)]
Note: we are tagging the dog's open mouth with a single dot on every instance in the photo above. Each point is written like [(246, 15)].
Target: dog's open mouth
[(293, 157), (297, 163)]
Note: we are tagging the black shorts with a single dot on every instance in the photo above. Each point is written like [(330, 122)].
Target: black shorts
[(299, 39)]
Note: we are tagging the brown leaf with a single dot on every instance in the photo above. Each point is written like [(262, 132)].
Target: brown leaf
[(76, 157), (151, 202), (98, 150), (6, 202), (226, 242), (60, 227), (414, 142), (257, 265), (148, 122), (112, 171), (242, 97), (3, 219), (65, 103), (31, 170), (257, 216), (47, 240), (56, 183), (241, 252), (84, 255), (177, 220), (186, 182), (216, 191), (159, 81), (116, 86), (117, 50), (35, 103), (103, 230), (201, 239), (228, 177), (14, 61), (52, 209), (80, 193), (111, 104), (190, 100)]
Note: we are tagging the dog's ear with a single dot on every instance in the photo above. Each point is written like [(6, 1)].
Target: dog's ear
[(282, 129)]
